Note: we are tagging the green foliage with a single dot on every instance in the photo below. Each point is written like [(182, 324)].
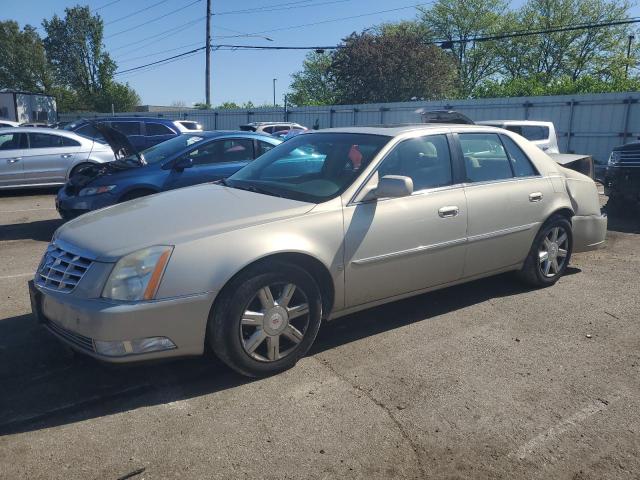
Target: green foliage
[(23, 63), (228, 106), (314, 84)]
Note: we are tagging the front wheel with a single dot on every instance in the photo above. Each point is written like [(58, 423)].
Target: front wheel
[(266, 319), (550, 253)]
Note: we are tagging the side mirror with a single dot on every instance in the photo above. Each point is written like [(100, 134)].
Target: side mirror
[(182, 163), (394, 186)]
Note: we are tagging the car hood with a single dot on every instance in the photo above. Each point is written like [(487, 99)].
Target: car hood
[(171, 218)]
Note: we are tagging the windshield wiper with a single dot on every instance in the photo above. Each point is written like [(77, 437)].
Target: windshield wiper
[(255, 189)]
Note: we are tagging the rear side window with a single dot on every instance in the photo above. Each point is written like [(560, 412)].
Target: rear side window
[(89, 131), (485, 158), (44, 140), (268, 129), (522, 166), (530, 132), (128, 128), (426, 160), (158, 129), (191, 125), (263, 147)]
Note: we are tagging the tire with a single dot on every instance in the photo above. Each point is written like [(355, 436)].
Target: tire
[(272, 339), (75, 170), (539, 272), (135, 194)]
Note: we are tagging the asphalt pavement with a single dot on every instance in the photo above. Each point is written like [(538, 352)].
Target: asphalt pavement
[(488, 380)]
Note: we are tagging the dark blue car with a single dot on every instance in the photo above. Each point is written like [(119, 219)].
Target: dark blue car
[(188, 159), (142, 132)]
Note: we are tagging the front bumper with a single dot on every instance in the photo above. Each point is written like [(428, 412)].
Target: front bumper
[(80, 322), (589, 232), (71, 206)]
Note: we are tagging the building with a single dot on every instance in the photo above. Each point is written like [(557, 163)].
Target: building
[(19, 106)]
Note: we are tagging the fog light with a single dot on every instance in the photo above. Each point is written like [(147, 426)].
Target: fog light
[(131, 347)]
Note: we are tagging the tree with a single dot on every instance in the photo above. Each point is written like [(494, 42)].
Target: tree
[(228, 106), (74, 49), (464, 20), (314, 84), (597, 52), (392, 66), (23, 63)]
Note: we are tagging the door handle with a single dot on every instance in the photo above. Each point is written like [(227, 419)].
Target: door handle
[(14, 160), (535, 196), (449, 211), (66, 155)]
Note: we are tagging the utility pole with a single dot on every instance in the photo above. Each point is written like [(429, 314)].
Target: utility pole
[(274, 91), (626, 67), (207, 73)]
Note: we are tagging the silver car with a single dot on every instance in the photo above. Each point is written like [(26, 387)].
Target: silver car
[(325, 224), (37, 157)]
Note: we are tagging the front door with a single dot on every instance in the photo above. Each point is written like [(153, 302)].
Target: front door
[(213, 161), (49, 157), (506, 199), (400, 245), (12, 152)]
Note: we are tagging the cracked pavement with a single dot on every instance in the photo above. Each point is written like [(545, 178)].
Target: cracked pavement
[(487, 380)]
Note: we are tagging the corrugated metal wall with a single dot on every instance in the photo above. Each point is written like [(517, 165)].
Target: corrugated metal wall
[(591, 124)]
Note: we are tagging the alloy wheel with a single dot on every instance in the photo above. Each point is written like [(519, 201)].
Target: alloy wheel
[(553, 251), (274, 322)]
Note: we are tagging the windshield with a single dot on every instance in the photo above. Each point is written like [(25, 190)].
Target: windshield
[(311, 167), (168, 149)]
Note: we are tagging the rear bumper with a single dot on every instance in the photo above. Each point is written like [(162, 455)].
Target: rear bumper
[(589, 232), (80, 323)]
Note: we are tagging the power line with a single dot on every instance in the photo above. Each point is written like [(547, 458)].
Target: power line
[(130, 59), (195, 50), (152, 20), (105, 5), (279, 6), (175, 30), (136, 12)]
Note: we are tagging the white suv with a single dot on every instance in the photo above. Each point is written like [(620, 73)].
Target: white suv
[(270, 128)]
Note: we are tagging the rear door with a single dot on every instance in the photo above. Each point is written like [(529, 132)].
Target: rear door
[(506, 199), (48, 158), (12, 152), (157, 132), (213, 161)]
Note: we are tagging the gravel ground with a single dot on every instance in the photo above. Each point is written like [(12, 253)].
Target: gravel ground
[(484, 380)]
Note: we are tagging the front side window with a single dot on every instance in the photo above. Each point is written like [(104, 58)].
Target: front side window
[(521, 164), (311, 168), (12, 141), (166, 150), (485, 158), (128, 128), (426, 160), (158, 129), (222, 151)]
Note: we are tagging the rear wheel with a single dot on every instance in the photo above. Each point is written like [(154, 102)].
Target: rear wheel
[(266, 319), (550, 253)]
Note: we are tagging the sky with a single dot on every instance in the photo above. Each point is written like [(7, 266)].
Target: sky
[(135, 35)]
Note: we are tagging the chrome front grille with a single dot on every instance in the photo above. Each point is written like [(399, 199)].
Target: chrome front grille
[(61, 270), (629, 157)]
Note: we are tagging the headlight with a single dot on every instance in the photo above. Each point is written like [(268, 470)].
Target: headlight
[(137, 276), (614, 158), (96, 190)]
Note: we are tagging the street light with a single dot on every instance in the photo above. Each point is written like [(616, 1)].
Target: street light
[(274, 91)]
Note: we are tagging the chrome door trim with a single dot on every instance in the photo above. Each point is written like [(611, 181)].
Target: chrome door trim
[(450, 243), (410, 251), (501, 233)]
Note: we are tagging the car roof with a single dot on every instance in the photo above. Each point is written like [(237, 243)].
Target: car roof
[(270, 123), (130, 119), (513, 122), (55, 131), (396, 130), (226, 133)]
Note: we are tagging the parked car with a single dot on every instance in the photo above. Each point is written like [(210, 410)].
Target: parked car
[(541, 134), (287, 134), (250, 267), (36, 125), (8, 123), (270, 128), (622, 177), (142, 132), (443, 116), (184, 160), (31, 156)]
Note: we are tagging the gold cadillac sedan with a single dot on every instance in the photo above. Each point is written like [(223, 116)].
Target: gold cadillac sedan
[(325, 224)]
